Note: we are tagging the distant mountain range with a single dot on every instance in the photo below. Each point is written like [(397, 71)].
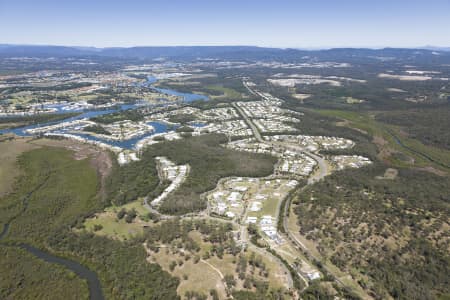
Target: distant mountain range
[(434, 48), (223, 52)]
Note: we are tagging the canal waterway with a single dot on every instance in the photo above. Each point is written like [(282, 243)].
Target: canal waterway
[(95, 290), (159, 127)]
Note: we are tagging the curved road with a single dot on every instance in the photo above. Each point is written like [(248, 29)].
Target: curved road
[(323, 167), (322, 171)]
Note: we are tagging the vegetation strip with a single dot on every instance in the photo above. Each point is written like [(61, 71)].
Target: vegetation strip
[(424, 155)]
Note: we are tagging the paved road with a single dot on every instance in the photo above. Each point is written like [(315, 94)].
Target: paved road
[(322, 171), (249, 123), (249, 89), (271, 257), (259, 138), (244, 238), (323, 167), (161, 177)]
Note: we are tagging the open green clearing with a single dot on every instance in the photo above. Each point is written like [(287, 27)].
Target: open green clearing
[(219, 92), (115, 228), (200, 276), (9, 151)]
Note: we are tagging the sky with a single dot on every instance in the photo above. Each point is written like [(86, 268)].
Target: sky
[(276, 23)]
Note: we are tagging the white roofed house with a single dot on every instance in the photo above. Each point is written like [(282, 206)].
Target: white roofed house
[(221, 208), (260, 197), (230, 214), (255, 206), (313, 275), (251, 220), (266, 220), (240, 188), (234, 196), (218, 195)]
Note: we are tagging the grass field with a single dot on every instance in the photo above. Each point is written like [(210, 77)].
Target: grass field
[(113, 228), (227, 92), (59, 176), (213, 91), (9, 151), (269, 207), (118, 229)]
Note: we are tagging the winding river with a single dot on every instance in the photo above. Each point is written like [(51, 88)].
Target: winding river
[(95, 290), (159, 127)]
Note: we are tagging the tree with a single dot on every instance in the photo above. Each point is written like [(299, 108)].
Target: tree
[(229, 280), (172, 265), (121, 213), (98, 227), (130, 216), (213, 293)]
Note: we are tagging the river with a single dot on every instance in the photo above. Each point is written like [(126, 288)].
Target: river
[(95, 290), (159, 127)]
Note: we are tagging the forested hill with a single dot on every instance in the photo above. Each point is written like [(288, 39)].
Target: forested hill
[(223, 52)]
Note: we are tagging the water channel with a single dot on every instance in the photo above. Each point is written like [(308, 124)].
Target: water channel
[(159, 127), (95, 290)]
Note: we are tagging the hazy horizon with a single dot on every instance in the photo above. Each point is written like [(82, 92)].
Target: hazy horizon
[(226, 45)]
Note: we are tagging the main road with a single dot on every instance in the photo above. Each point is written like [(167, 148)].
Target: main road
[(323, 169)]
